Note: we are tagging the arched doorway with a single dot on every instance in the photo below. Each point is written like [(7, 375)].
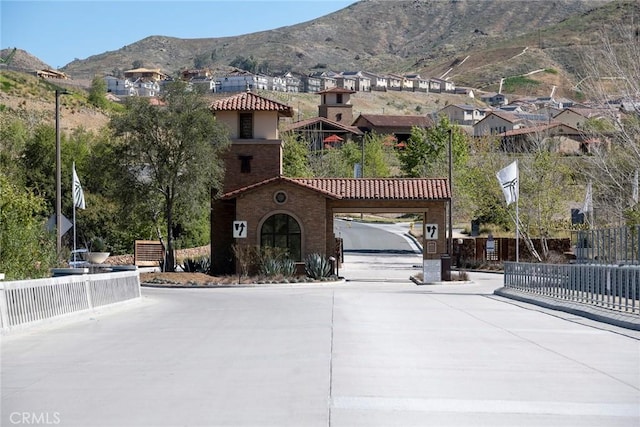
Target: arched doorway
[(281, 230)]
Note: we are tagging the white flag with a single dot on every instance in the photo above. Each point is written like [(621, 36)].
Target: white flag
[(634, 192), (588, 200), (78, 194), (509, 180)]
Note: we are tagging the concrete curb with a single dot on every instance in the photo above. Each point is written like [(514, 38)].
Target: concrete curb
[(243, 285), (611, 317)]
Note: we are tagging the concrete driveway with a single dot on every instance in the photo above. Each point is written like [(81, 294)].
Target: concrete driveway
[(376, 350)]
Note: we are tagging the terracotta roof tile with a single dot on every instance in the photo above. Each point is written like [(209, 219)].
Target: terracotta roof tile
[(248, 101), (386, 120), (365, 189)]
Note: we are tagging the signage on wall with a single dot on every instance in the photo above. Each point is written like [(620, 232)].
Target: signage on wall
[(431, 231), (239, 229)]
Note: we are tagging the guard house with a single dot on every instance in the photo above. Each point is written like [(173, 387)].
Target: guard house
[(297, 213)]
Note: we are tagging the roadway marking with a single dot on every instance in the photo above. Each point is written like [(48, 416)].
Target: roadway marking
[(485, 406)]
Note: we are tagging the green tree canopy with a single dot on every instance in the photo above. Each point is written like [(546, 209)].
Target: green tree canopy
[(170, 154), (27, 250)]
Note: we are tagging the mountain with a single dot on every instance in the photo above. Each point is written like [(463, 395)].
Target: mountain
[(380, 36), (472, 42)]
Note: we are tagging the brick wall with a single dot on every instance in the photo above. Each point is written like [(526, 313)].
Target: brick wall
[(265, 162), (306, 206)]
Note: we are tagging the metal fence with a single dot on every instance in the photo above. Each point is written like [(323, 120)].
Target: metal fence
[(26, 302), (612, 287), (607, 246)]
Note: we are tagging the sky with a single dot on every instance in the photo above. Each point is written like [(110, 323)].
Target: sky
[(57, 32)]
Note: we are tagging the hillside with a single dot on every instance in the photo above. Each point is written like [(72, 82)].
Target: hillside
[(25, 95)]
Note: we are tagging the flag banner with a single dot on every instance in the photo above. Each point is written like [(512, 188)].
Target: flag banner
[(634, 192), (588, 200), (508, 178), (78, 194)]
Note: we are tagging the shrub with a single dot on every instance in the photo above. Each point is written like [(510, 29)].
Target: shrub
[(196, 265)]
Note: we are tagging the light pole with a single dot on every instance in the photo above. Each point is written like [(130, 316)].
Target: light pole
[(450, 247), (58, 174)]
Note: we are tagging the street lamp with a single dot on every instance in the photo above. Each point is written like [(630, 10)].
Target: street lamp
[(58, 174), (450, 246)]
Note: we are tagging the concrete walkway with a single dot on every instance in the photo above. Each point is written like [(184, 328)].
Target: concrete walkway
[(376, 350)]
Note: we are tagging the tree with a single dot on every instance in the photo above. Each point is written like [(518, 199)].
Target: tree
[(426, 152), (295, 156), (171, 154), (27, 250), (98, 92), (612, 73)]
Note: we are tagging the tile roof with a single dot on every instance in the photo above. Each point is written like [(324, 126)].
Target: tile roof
[(248, 101), (336, 90), (385, 120), (399, 189), (302, 124)]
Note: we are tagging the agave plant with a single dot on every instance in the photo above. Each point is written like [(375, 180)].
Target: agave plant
[(317, 266)]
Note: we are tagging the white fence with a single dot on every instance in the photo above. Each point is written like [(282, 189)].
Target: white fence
[(26, 302)]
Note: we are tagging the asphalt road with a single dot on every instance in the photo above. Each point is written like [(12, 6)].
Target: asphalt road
[(374, 351), (375, 238)]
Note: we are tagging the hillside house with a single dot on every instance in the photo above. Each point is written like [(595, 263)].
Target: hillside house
[(556, 137), (445, 85), (354, 80), (398, 126), (189, 74), (417, 83), (145, 74), (120, 87), (577, 117), (463, 114), (259, 207), (497, 122), (48, 73), (394, 82), (494, 99), (205, 84), (378, 81), (241, 80)]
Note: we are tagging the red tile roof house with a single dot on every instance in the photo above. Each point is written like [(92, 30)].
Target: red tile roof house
[(298, 213)]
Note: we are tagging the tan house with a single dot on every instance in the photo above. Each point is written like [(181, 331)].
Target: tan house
[(463, 114), (577, 117), (298, 213), (398, 126), (145, 74)]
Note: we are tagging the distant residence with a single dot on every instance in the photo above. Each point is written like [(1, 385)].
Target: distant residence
[(127, 87), (398, 126), (578, 117), (556, 137), (494, 99), (145, 74), (497, 122), (463, 114), (48, 73)]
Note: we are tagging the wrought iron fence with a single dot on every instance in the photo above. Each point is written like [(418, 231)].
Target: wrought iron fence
[(607, 246), (613, 287)]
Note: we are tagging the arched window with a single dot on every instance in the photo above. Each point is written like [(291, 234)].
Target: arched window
[(282, 231)]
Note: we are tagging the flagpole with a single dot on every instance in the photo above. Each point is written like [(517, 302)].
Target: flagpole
[(73, 193), (518, 215)]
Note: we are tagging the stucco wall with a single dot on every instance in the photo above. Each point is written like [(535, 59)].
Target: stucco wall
[(265, 123)]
